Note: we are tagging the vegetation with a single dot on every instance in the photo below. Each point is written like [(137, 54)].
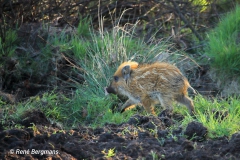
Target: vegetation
[(219, 116), (109, 154), (8, 45), (223, 48)]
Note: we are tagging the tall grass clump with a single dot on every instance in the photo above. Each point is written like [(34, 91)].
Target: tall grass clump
[(99, 58), (224, 45), (94, 56)]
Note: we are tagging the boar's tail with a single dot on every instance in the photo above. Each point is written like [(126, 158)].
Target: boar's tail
[(192, 89)]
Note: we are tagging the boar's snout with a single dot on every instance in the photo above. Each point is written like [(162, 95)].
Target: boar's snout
[(109, 89)]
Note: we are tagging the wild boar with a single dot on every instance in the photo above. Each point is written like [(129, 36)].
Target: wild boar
[(151, 84)]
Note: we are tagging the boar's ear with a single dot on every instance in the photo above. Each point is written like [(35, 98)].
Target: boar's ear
[(134, 65), (126, 72)]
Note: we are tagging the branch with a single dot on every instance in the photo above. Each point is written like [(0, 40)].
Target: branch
[(178, 12)]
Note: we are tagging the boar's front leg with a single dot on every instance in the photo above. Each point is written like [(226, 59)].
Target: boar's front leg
[(129, 104)]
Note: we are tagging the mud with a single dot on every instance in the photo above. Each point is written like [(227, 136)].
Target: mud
[(142, 137)]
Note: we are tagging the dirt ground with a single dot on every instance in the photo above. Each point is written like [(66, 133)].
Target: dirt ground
[(142, 137)]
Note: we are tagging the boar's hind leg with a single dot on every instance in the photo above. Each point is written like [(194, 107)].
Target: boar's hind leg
[(187, 102), (165, 102), (129, 104)]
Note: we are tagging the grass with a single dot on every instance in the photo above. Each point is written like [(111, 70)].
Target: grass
[(83, 28), (221, 117), (8, 44), (96, 112), (223, 46)]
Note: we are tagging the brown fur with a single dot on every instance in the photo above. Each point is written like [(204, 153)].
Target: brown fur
[(150, 84)]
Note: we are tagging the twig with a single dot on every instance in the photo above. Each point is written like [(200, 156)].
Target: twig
[(80, 69), (178, 12)]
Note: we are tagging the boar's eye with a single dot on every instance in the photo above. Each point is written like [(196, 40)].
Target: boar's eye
[(115, 78)]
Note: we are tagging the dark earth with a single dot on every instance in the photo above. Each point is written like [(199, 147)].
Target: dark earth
[(142, 137)]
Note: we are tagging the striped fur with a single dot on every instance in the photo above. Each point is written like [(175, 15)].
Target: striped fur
[(150, 84)]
